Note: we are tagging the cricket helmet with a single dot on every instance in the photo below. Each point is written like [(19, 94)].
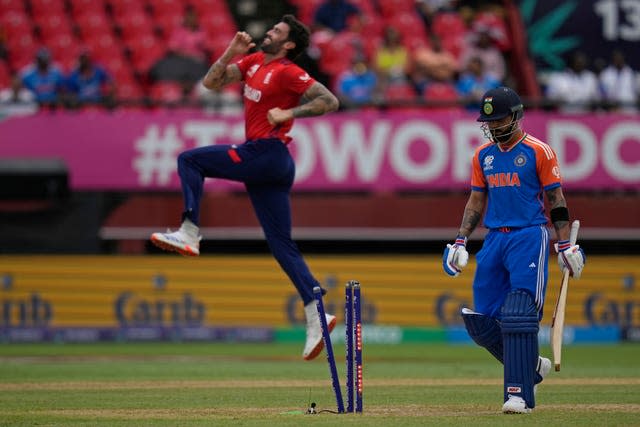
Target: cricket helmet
[(498, 103)]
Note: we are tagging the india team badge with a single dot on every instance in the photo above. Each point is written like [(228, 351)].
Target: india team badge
[(488, 107), (520, 160)]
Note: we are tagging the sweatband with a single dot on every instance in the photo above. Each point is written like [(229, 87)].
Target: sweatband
[(560, 213)]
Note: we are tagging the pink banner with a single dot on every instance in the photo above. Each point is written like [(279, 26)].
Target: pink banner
[(137, 150)]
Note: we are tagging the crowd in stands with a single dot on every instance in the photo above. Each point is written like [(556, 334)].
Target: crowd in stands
[(437, 54)]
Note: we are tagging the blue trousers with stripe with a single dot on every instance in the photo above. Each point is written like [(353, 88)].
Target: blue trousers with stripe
[(267, 170), (517, 259)]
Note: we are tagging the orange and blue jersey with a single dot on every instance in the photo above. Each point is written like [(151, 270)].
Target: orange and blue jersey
[(279, 83), (515, 181)]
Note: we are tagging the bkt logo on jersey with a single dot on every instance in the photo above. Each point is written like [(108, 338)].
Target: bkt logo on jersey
[(503, 180)]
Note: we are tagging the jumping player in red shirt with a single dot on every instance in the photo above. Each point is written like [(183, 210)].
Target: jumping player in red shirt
[(510, 174), (273, 89)]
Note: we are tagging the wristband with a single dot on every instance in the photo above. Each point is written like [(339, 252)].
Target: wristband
[(461, 240), (563, 245)]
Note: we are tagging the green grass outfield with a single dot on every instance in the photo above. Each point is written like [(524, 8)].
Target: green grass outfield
[(171, 384)]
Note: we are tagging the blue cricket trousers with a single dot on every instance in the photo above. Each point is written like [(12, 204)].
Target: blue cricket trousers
[(267, 170)]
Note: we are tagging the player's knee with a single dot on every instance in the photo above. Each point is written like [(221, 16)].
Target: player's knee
[(519, 313), (484, 330)]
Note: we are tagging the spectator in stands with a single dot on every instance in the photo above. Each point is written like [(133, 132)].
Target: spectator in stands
[(17, 100), (392, 58), (489, 18), (334, 15), (432, 63), (483, 47), (619, 84), (474, 82), (89, 83), (187, 57), (574, 89), (44, 80), (358, 85)]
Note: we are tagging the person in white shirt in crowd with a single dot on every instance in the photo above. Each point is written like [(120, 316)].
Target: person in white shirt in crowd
[(619, 84), (576, 89)]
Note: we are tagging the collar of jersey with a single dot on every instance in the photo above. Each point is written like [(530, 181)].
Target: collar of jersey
[(524, 135)]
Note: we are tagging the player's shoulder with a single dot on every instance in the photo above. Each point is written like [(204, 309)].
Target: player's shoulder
[(483, 148), (540, 147), (252, 58)]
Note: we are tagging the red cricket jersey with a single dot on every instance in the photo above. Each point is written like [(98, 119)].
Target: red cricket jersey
[(279, 83)]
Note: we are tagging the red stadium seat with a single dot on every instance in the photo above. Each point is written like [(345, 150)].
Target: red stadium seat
[(65, 50), (16, 23), (338, 55), (128, 91), (390, 8), (47, 7), (409, 25), (11, 6), (134, 25), (5, 75), (82, 7), (144, 52), (166, 92), (399, 92), (217, 24), (167, 7), (53, 25), (22, 50), (126, 7), (118, 67), (204, 7), (448, 25), (93, 23), (103, 46), (441, 93), (168, 23)]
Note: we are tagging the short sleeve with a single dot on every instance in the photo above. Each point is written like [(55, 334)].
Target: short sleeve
[(296, 80)]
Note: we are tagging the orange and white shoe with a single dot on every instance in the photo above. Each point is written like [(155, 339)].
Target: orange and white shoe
[(314, 343), (178, 241)]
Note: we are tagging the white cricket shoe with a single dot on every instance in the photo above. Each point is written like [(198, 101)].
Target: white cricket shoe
[(185, 241), (314, 343), (515, 405), (544, 367)]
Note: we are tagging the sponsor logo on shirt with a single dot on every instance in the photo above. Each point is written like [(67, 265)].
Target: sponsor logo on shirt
[(252, 94), (267, 78), (305, 77), (556, 171)]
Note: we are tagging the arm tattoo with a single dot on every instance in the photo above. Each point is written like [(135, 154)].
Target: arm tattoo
[(470, 221), (472, 213), (220, 74), (318, 100)]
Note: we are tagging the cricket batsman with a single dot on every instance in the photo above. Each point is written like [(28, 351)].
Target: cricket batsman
[(510, 174)]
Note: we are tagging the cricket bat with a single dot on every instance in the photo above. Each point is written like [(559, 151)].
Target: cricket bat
[(557, 322)]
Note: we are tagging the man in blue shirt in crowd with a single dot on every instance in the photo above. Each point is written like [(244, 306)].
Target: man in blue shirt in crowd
[(89, 83), (43, 79)]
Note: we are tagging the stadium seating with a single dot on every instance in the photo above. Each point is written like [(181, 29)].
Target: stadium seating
[(117, 31)]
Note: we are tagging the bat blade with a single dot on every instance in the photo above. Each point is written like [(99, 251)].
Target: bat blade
[(557, 322)]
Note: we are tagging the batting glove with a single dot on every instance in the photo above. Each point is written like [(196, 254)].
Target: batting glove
[(571, 258), (455, 257)]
